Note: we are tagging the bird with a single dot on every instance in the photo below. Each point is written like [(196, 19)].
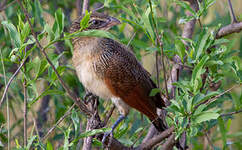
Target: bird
[(108, 69)]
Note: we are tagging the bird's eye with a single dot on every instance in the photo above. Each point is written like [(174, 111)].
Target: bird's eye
[(96, 22)]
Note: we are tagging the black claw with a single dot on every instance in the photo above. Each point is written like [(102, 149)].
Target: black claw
[(88, 97)]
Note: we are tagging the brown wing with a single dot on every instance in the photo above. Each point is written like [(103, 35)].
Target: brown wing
[(127, 79)]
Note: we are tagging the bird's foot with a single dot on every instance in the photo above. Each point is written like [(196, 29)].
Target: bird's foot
[(105, 136), (88, 97)]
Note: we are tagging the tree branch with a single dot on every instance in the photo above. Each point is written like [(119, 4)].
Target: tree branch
[(25, 111), (3, 6), (78, 7), (155, 140), (215, 97), (10, 81), (152, 131), (168, 145), (85, 6), (231, 113), (57, 123), (229, 29)]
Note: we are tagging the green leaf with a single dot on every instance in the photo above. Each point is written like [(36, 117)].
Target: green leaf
[(175, 103), (202, 44), (58, 24), (222, 131), (66, 140), (193, 131), (24, 28), (92, 132), (51, 34), (147, 24), (30, 141), (121, 130), (107, 3), (205, 116), (201, 98), (93, 33), (184, 20), (85, 21), (180, 48), (154, 91), (49, 146), (200, 109), (76, 121), (130, 13), (38, 12), (14, 35), (53, 92), (184, 122), (196, 74), (46, 92), (214, 62), (96, 142), (132, 23), (220, 41), (186, 6)]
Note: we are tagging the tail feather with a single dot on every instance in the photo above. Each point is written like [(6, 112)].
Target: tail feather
[(159, 124)]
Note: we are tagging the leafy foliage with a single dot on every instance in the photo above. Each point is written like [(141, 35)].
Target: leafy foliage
[(195, 109)]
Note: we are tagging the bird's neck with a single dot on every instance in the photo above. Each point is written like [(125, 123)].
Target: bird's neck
[(84, 41)]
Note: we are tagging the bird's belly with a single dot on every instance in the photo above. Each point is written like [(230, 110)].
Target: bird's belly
[(91, 81)]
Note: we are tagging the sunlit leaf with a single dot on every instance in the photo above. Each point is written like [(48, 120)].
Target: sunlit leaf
[(92, 33), (205, 116), (14, 34), (222, 131)]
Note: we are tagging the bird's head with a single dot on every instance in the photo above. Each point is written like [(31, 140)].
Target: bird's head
[(97, 21)]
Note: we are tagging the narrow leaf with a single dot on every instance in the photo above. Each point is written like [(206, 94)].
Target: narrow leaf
[(14, 35), (206, 116)]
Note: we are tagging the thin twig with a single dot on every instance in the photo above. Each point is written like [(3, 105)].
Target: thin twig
[(78, 7), (35, 127), (157, 69), (200, 23), (109, 114), (101, 7), (57, 123), (131, 39), (85, 6), (209, 140), (161, 48), (7, 102), (72, 95), (10, 81), (6, 6), (217, 96), (25, 111), (231, 113), (232, 15)]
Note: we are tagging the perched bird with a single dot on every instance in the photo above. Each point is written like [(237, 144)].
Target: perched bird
[(109, 70)]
